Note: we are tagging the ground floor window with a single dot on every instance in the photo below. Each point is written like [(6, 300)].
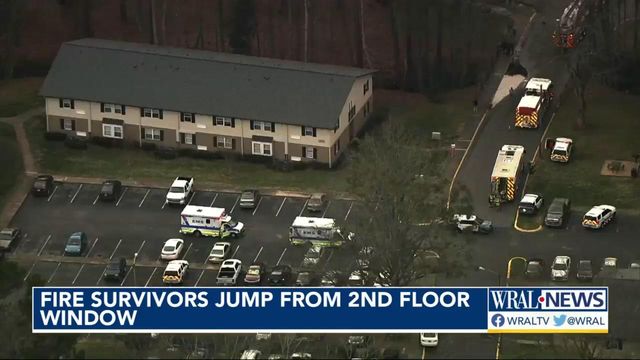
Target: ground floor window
[(67, 124), (308, 153), (152, 134), (112, 131), (188, 139), (260, 148), (224, 142)]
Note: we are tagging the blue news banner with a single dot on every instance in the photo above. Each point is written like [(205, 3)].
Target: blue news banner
[(357, 309)]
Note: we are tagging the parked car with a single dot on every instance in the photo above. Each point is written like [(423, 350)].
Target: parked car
[(307, 278), (472, 223), (609, 264), (301, 355), (560, 268), (76, 244), (558, 212), (316, 202), (172, 249), (280, 275), (175, 272), (249, 199), (255, 274), (585, 270), (429, 339), (229, 272), (116, 270), (42, 186), (599, 216), (312, 257), (535, 268), (220, 252), (530, 204), (110, 190), (8, 238), (332, 278)]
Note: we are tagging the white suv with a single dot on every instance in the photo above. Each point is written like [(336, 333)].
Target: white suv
[(599, 216), (229, 272), (560, 268), (175, 272)]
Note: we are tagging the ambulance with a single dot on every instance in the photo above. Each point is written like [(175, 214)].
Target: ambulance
[(317, 232), (506, 173), (209, 221)]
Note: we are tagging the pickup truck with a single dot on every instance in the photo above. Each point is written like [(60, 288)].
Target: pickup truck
[(229, 272), (179, 191)]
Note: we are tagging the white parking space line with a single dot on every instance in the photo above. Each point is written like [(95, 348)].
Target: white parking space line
[(234, 205), (45, 245), (258, 255), (326, 208), (304, 206), (96, 200), (141, 245), (101, 275), (78, 274), (76, 194), (281, 205), (126, 276), (214, 200), (199, 277), (150, 277), (53, 273), (53, 192), (281, 256), (30, 270), (164, 203), (348, 211), (235, 252), (257, 206), (116, 249), (92, 246), (121, 196), (193, 194), (145, 196), (186, 252)]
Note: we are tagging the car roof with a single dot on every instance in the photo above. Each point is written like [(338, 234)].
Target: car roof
[(231, 262), (173, 242), (316, 195), (176, 264), (585, 261), (221, 244), (530, 197), (44, 177), (8, 230), (561, 258)]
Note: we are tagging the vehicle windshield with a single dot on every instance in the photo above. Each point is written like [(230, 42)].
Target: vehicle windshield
[(227, 273), (592, 218), (559, 266), (276, 272), (429, 335), (555, 209), (114, 265), (108, 187), (532, 92), (217, 252), (169, 248), (533, 267), (559, 152), (74, 240), (40, 184), (5, 236), (247, 196), (170, 273), (232, 223), (315, 201), (253, 270), (585, 266), (176, 189), (303, 277)]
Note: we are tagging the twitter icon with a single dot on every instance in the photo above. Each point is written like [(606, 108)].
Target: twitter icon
[(559, 320)]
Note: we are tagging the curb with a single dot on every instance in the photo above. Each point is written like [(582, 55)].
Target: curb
[(515, 226)]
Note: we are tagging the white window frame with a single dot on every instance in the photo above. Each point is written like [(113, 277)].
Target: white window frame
[(188, 139), (266, 126), (111, 131), (257, 125), (263, 148), (66, 104), (308, 151), (365, 87), (308, 131), (223, 121), (188, 117), (151, 113), (262, 125), (224, 142), (152, 134), (68, 124), (113, 108)]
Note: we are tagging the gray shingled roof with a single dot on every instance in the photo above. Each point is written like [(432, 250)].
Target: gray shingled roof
[(202, 82)]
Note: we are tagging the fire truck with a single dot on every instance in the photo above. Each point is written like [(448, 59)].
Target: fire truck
[(537, 97), (507, 170), (570, 29)]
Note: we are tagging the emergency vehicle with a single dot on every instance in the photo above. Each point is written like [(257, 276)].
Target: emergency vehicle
[(570, 29), (599, 216), (175, 272), (537, 96), (208, 221), (562, 150), (506, 173), (317, 231)]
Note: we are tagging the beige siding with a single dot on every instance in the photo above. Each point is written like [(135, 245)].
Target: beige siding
[(169, 138), (53, 124), (359, 99), (295, 152)]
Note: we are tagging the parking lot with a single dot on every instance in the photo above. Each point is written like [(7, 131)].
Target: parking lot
[(139, 222)]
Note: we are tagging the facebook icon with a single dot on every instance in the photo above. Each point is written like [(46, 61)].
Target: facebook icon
[(497, 320)]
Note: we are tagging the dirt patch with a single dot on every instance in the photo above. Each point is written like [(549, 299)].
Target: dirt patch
[(619, 168)]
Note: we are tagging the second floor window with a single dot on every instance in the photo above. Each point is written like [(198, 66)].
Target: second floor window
[(152, 113), (188, 117), (352, 110), (224, 121), (308, 131), (66, 103), (113, 108), (262, 125), (365, 87)]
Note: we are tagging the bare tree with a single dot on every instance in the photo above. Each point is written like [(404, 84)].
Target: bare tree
[(11, 14), (363, 42), (154, 30), (580, 74), (163, 22), (305, 55), (221, 37), (586, 347)]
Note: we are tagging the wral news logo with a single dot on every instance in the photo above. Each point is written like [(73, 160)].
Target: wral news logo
[(550, 310)]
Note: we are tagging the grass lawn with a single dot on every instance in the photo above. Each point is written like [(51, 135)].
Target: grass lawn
[(107, 348), (531, 222), (11, 161), (132, 164), (612, 133), (423, 117), (19, 95)]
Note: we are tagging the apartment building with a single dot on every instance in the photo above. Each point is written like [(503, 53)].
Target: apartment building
[(184, 98)]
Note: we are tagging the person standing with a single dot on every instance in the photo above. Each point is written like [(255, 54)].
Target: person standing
[(475, 106)]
